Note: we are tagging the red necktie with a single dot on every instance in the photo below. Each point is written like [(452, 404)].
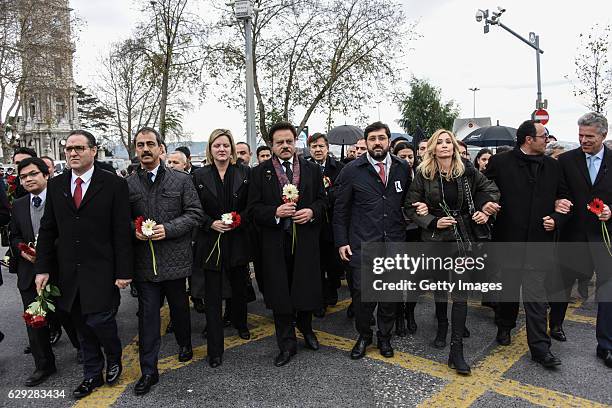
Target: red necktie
[(381, 173), (78, 192)]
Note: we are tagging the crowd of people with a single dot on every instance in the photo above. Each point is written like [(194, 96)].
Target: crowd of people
[(174, 232)]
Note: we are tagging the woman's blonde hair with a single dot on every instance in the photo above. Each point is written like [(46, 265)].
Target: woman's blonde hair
[(217, 133), (429, 166)]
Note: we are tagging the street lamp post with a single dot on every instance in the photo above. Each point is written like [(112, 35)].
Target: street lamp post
[(474, 90), (533, 42), (243, 10), (378, 104)]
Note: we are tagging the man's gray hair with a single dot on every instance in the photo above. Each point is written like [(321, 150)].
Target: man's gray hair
[(594, 119)]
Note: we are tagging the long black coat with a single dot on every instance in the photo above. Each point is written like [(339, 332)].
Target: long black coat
[(94, 242), (583, 225), (21, 231), (237, 240), (332, 170), (525, 199), (265, 196), (367, 211)]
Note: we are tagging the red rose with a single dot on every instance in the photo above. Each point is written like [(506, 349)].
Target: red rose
[(26, 249), (38, 322), (27, 317)]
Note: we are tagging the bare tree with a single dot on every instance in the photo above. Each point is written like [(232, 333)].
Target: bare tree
[(313, 56), (593, 68), (173, 41)]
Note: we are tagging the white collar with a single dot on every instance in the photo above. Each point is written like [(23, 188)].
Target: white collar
[(599, 154), (42, 195), (288, 160), (154, 171), (385, 161), (85, 176)]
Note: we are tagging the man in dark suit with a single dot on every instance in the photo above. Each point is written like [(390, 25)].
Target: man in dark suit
[(331, 266), (27, 212), (587, 171), (530, 183), (290, 261), (85, 245), (368, 208)]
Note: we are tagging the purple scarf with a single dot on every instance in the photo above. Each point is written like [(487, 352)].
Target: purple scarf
[(282, 177)]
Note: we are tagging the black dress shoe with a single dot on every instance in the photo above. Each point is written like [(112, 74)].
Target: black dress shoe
[(87, 386), (244, 334), (350, 311), (503, 337), (79, 357), (385, 348), (557, 333), (547, 360), (55, 336), (185, 353), (283, 358), (359, 349), (311, 341), (320, 313), (27, 350), (113, 371), (170, 327), (214, 362), (145, 383), (39, 376), (606, 356)]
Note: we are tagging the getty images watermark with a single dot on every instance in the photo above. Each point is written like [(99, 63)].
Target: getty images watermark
[(397, 272)]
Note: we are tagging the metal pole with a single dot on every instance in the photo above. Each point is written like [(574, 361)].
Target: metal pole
[(539, 101), (534, 46), (250, 93), (474, 89)]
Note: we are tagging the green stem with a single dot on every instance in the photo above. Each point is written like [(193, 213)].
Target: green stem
[(606, 236), (213, 250), (153, 256), (293, 238)]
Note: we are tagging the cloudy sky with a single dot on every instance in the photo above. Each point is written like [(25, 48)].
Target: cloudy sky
[(452, 53)]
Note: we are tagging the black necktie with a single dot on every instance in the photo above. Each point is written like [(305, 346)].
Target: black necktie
[(150, 176), (36, 200), (288, 171)]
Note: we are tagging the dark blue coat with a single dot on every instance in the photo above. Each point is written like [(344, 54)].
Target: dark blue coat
[(367, 211)]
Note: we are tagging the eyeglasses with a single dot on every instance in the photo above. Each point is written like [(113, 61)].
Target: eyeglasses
[(24, 177), (78, 149)]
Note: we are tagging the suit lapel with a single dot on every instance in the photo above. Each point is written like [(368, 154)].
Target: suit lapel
[(270, 177), (304, 172), (27, 221), (605, 164), (66, 190), (237, 180), (582, 166), (209, 182), (95, 185)]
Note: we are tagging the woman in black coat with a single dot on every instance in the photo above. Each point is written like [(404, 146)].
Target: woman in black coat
[(222, 186), (454, 194)]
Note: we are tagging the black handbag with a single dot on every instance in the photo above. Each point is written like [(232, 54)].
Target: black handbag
[(482, 232)]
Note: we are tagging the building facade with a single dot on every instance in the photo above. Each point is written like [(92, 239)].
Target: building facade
[(49, 103)]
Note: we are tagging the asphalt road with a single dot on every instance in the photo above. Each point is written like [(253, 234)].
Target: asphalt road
[(417, 375)]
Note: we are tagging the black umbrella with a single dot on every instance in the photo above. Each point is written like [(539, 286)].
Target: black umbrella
[(344, 135), (491, 136)]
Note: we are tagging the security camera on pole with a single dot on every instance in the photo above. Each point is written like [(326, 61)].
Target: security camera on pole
[(243, 10), (533, 42)]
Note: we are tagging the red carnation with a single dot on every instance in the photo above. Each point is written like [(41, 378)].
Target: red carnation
[(26, 249), (38, 321), (236, 219), (596, 206), (138, 223)]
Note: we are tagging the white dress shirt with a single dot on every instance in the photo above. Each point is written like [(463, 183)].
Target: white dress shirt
[(86, 177)]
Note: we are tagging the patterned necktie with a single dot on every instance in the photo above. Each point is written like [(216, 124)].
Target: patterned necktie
[(78, 192), (592, 168), (36, 200), (150, 176), (381, 173)]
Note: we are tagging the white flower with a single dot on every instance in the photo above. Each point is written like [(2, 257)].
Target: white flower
[(290, 192), (147, 228), (227, 219)]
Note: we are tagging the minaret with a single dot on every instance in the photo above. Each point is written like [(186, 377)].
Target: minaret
[(49, 106)]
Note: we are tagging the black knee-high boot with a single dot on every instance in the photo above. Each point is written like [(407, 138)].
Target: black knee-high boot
[(455, 358)]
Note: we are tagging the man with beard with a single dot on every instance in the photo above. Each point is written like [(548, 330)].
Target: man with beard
[(289, 234), (368, 208), (331, 266), (243, 150)]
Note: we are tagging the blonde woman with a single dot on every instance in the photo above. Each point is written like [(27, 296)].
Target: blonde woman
[(222, 186), (455, 193)]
